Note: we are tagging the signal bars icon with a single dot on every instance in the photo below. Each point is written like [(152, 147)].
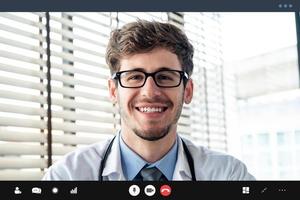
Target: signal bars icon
[(73, 191)]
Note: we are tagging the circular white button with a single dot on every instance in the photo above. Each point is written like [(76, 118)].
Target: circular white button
[(134, 190), (149, 190), (55, 190)]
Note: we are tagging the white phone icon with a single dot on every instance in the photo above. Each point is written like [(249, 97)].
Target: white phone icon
[(165, 189)]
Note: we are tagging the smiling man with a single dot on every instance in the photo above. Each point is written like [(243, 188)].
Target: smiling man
[(151, 67)]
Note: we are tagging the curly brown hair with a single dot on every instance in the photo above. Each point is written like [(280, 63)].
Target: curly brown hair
[(143, 36)]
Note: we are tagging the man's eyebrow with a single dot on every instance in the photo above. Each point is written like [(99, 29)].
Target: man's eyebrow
[(143, 69)]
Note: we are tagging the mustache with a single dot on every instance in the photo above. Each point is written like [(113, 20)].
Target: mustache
[(156, 99)]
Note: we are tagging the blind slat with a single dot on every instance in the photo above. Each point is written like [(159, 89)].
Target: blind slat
[(89, 19), (21, 45), (73, 81), (22, 83), (17, 163), (9, 121), (22, 96), (72, 58), (21, 32), (14, 148), (73, 70), (15, 56), (4, 107), (68, 22), (67, 103), (75, 139), (74, 93), (71, 127), (21, 174), (14, 136), (70, 115), (73, 47), (23, 20), (71, 35), (22, 71)]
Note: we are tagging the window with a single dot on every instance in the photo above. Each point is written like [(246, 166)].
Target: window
[(262, 87)]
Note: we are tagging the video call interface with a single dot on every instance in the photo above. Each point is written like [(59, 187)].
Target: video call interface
[(55, 100)]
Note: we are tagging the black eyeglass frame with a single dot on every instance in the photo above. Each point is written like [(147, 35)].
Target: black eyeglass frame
[(183, 75)]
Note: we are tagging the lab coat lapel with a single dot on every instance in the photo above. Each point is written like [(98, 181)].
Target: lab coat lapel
[(182, 169), (113, 166)]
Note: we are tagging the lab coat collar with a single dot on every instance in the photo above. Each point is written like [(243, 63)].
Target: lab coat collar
[(182, 168), (113, 168)]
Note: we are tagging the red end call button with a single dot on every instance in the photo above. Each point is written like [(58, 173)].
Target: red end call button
[(165, 190)]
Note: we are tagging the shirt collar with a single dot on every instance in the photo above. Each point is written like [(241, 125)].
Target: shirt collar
[(132, 163)]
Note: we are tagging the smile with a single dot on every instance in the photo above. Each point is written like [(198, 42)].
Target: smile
[(151, 109)]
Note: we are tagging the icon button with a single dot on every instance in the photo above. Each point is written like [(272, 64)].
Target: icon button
[(246, 190), (149, 190), (17, 190), (54, 190), (264, 190), (282, 190), (165, 190), (73, 191), (134, 190), (36, 190)]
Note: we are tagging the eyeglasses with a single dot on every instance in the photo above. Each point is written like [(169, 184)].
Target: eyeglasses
[(163, 78)]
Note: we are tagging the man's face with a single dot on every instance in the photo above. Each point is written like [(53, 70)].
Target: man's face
[(150, 111)]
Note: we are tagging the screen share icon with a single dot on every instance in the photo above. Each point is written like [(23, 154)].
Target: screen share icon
[(246, 190)]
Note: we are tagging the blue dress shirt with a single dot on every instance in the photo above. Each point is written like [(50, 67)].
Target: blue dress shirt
[(132, 163)]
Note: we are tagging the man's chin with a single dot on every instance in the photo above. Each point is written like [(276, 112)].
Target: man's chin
[(152, 134)]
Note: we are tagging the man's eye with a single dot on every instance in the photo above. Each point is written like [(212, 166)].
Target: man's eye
[(135, 77), (164, 77)]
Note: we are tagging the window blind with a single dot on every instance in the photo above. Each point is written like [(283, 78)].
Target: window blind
[(82, 112), (22, 96), (208, 113)]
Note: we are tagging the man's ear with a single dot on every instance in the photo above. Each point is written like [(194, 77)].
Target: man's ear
[(112, 88), (188, 91)]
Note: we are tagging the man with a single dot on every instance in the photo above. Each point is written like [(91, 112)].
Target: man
[(151, 66)]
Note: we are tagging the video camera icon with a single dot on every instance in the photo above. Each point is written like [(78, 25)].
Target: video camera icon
[(149, 190)]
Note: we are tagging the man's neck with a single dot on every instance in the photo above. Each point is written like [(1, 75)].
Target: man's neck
[(150, 151)]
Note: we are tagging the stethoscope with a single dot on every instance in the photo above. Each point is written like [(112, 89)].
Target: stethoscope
[(187, 153)]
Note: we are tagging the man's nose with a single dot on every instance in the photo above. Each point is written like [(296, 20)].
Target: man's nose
[(150, 88)]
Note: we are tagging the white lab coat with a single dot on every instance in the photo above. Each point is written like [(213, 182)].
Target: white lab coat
[(84, 164)]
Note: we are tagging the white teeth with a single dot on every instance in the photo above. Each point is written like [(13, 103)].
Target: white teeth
[(150, 110)]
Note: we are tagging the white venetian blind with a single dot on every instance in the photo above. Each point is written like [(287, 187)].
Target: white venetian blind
[(208, 107), (23, 126), (82, 112)]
